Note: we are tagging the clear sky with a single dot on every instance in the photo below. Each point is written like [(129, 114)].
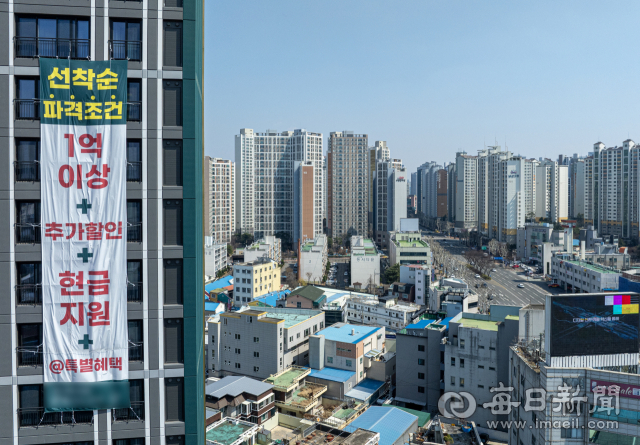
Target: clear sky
[(429, 77)]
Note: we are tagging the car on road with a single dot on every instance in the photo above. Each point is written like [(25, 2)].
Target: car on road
[(554, 285), (493, 270), (346, 273), (521, 286), (478, 276)]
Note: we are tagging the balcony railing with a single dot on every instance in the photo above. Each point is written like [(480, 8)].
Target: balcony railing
[(49, 47), (134, 111), (27, 109), (34, 417), (126, 49), (134, 291), (27, 233), (132, 414), (136, 352), (134, 233), (26, 171), (29, 294), (134, 171), (29, 355)]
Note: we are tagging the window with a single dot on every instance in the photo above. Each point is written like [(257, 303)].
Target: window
[(134, 221), (462, 343), (421, 375), (421, 389), (237, 365), (173, 340), (256, 354), (421, 361), (135, 441), (491, 348), (136, 397), (329, 359), (29, 340), (172, 43), (135, 337), (421, 348), (134, 278), (481, 386), (461, 382), (256, 368), (172, 103), (453, 361), (126, 40), (173, 273), (462, 363), (491, 368), (134, 160), (237, 351), (172, 162), (480, 347), (237, 336), (27, 104), (134, 100), (480, 366), (173, 3), (27, 168), (256, 339), (298, 305), (172, 222), (27, 219), (174, 399), (571, 433), (50, 37), (29, 283), (453, 381), (349, 363)]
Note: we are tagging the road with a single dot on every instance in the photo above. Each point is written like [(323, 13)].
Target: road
[(504, 281)]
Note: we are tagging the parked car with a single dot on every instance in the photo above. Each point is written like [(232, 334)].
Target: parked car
[(478, 276), (493, 270), (521, 286)]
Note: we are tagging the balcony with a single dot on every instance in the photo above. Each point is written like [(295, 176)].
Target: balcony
[(26, 109), (35, 417), (134, 111), (32, 47), (134, 233), (134, 290), (133, 414), (304, 398), (29, 355), (29, 294), (134, 171), (26, 171), (27, 233), (125, 50)]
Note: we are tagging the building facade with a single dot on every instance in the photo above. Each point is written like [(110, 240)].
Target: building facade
[(268, 247), (552, 191), (348, 184), (219, 205), (466, 191), (365, 262), (162, 42), (312, 259), (254, 279)]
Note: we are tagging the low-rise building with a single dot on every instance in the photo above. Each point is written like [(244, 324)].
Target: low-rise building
[(241, 398), (255, 279), (215, 256), (229, 431), (402, 292), (390, 313), (419, 275), (294, 395), (304, 297), (408, 248), (259, 342), (394, 425), (530, 239), (312, 259), (365, 262), (269, 247), (579, 276)]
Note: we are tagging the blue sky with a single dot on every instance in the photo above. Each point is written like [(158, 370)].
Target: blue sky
[(429, 77)]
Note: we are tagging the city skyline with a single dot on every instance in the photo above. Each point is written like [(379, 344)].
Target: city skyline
[(534, 86)]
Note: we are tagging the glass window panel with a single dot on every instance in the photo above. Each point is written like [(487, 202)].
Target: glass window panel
[(26, 27), (133, 31), (27, 89), (118, 30)]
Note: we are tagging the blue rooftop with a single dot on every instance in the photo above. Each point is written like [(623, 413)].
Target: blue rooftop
[(333, 374), (421, 324), (336, 296), (445, 322), (392, 423), (222, 282), (271, 298), (210, 306), (343, 333), (365, 389)]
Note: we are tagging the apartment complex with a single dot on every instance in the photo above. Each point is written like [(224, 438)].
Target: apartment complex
[(162, 42), (348, 163), (488, 185), (510, 204), (219, 205), (428, 194), (466, 191), (452, 180), (268, 196), (552, 191), (390, 200), (254, 279)]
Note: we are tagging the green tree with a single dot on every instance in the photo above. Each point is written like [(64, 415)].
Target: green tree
[(392, 274), (229, 250), (580, 220)]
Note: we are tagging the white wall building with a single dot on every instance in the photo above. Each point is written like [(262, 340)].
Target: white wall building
[(312, 259), (215, 256), (420, 276), (390, 314), (552, 191), (268, 247), (220, 199), (466, 191), (511, 205), (365, 262)]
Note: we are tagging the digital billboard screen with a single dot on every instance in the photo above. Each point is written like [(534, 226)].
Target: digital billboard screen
[(594, 325)]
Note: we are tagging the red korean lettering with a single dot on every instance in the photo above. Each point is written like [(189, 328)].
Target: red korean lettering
[(75, 226), (94, 231), (68, 316), (86, 141), (98, 314), (86, 365), (71, 365), (101, 181), (53, 230), (69, 138), (100, 364), (68, 280), (69, 179), (99, 287), (115, 363), (110, 228)]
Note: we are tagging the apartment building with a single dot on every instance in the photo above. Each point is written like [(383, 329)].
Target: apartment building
[(294, 395), (215, 256), (386, 313), (348, 184), (466, 191), (312, 259), (267, 247), (441, 190), (530, 238), (429, 189), (162, 42), (260, 342), (266, 194), (552, 191), (365, 262), (529, 196), (390, 200), (255, 279), (378, 153), (452, 182), (615, 189), (511, 205), (219, 205), (579, 189), (419, 276), (488, 189)]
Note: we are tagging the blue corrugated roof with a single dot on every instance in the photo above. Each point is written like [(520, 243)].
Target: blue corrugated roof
[(421, 324), (445, 322), (333, 374), (271, 298), (576, 242), (210, 306), (392, 423), (365, 389), (343, 333), (222, 282), (336, 296)]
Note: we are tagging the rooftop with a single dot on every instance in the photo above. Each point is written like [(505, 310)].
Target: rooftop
[(304, 396), (390, 422), (309, 292), (289, 319), (236, 385), (219, 284), (343, 332), (423, 417), (420, 324), (415, 243), (479, 324), (592, 267), (288, 378), (332, 374), (365, 389), (228, 431)]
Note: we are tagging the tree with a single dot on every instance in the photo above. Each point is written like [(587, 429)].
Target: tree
[(580, 220), (531, 217), (493, 246), (392, 274), (292, 279), (229, 250)]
